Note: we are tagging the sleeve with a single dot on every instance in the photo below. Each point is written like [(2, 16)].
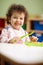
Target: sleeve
[(4, 36)]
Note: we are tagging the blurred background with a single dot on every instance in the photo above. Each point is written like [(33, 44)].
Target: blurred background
[(35, 21)]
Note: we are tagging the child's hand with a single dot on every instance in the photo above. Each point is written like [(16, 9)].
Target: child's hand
[(33, 39), (15, 39)]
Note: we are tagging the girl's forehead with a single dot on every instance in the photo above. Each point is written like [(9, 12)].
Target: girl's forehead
[(18, 13)]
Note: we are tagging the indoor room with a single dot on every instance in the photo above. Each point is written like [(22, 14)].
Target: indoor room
[(21, 32)]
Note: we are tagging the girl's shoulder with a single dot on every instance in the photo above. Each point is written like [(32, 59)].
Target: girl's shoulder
[(5, 29)]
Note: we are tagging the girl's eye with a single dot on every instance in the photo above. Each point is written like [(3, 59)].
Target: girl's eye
[(14, 17), (21, 18)]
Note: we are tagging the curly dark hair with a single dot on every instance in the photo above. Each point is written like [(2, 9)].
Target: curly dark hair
[(18, 8)]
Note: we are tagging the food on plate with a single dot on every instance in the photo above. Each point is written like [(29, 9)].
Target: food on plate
[(34, 43)]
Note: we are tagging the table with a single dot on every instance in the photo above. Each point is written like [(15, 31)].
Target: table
[(20, 54)]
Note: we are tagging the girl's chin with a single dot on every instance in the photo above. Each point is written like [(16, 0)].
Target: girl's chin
[(17, 28)]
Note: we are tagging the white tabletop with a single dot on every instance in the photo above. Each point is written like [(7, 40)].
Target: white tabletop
[(22, 53)]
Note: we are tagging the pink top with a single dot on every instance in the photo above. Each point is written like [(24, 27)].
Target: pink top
[(9, 33)]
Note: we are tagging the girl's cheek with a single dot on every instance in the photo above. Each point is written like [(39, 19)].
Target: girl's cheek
[(22, 22), (13, 20)]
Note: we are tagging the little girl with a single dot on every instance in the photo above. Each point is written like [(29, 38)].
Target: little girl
[(16, 16)]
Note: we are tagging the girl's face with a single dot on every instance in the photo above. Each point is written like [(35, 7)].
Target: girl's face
[(17, 20)]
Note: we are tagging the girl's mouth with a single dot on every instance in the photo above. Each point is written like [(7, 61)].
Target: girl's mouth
[(17, 24)]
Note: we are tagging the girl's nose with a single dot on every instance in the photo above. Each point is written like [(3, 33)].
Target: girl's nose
[(18, 20)]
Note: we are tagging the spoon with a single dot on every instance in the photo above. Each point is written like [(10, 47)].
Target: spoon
[(27, 35)]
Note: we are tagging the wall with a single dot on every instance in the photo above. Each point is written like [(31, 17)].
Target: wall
[(33, 6)]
